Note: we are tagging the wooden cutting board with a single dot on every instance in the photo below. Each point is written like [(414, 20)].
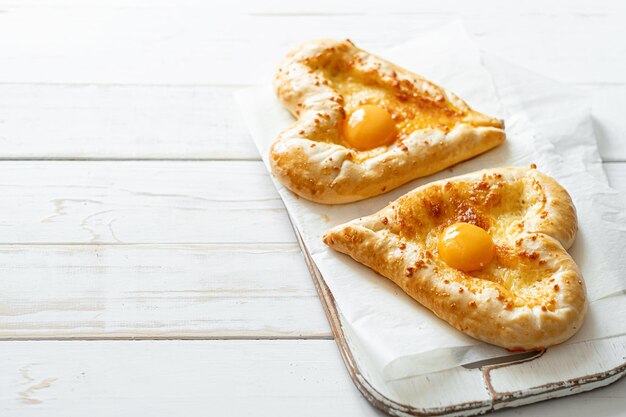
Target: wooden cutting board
[(482, 387)]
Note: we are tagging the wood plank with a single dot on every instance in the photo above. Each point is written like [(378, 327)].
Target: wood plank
[(140, 202), (164, 291), (218, 377), (330, 7), (175, 122), (160, 378), (607, 401), (199, 46), (478, 7), (95, 121), (551, 368)]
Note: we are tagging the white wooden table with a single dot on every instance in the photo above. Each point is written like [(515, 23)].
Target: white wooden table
[(147, 263)]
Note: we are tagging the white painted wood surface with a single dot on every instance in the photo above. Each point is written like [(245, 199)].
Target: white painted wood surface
[(158, 291), (550, 369), (121, 122), (140, 202), (165, 378), (134, 204)]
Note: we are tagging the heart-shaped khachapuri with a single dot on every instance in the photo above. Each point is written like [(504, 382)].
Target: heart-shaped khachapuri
[(365, 126), (485, 251)]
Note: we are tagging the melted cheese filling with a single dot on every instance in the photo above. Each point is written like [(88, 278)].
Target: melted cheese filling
[(494, 206), (409, 113)]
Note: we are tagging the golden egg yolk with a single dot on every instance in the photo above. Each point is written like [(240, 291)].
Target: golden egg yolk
[(368, 127), (465, 247)]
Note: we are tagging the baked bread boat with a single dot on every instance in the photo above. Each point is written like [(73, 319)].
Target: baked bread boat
[(485, 252), (365, 126)]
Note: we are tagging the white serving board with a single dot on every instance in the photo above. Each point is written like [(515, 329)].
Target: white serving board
[(479, 388)]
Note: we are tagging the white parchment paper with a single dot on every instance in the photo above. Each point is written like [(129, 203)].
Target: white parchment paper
[(546, 123)]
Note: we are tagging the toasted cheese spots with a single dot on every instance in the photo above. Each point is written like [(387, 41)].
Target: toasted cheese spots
[(466, 247), (369, 127)]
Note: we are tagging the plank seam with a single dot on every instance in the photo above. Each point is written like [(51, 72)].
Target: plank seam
[(159, 338)]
